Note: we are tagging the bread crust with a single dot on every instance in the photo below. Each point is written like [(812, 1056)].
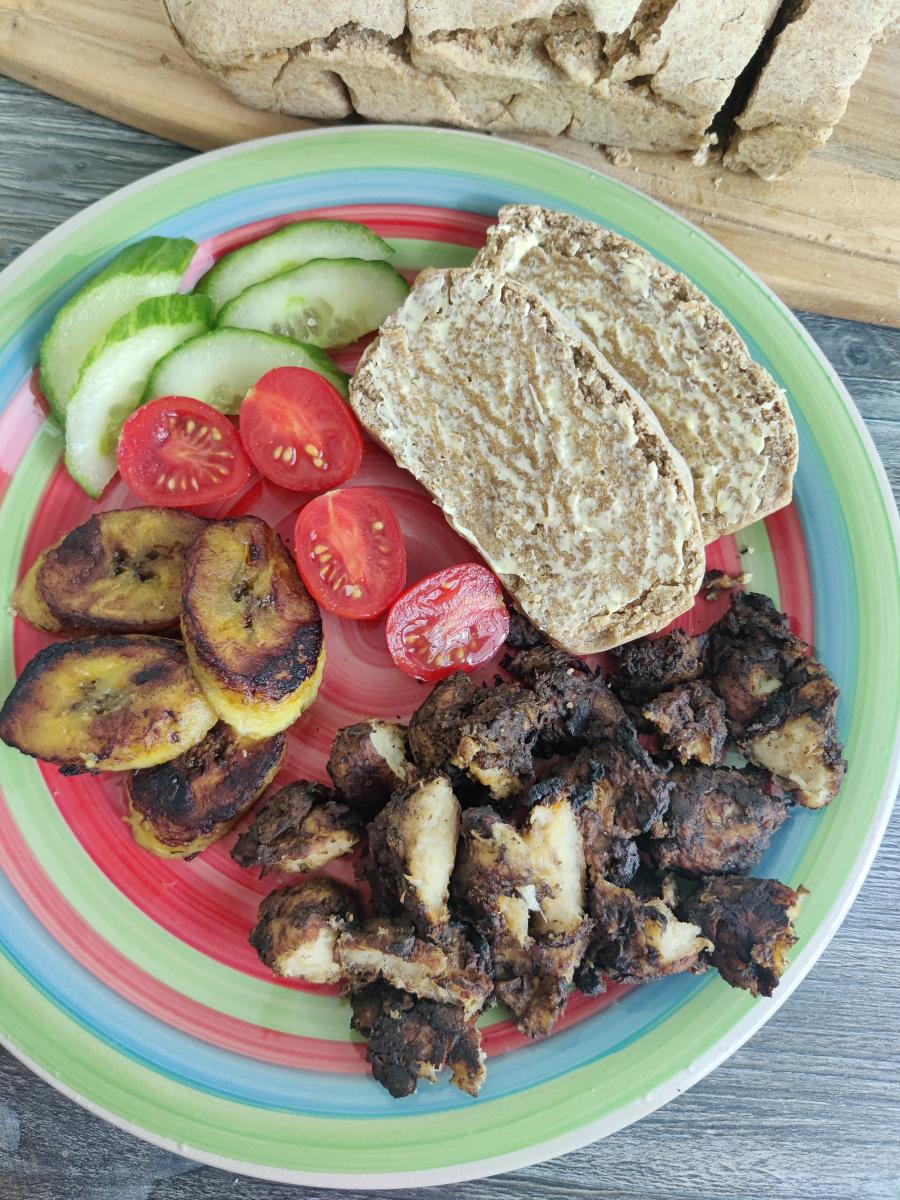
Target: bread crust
[(539, 454)]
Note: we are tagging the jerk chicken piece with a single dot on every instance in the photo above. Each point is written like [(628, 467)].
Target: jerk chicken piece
[(648, 666), (434, 727), (751, 924), (412, 849), (368, 762), (496, 739), (795, 735), (299, 926), (781, 704), (451, 971), (617, 781), (300, 828), (719, 820), (524, 892), (637, 939), (752, 650), (574, 703), (690, 720), (411, 1039)]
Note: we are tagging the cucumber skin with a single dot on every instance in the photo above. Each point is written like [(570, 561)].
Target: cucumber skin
[(150, 256), (325, 367), (207, 285), (223, 317), (174, 309)]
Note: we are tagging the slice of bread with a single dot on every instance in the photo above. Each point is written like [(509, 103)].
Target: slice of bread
[(539, 455), (723, 412)]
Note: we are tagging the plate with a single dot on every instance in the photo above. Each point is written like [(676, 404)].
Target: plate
[(127, 981)]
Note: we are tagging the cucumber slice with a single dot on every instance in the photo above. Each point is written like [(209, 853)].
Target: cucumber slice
[(113, 379), (326, 302), (152, 267), (220, 367), (288, 248)]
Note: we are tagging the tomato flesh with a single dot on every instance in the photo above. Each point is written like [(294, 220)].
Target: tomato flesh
[(350, 552), (299, 432), (177, 451), (451, 621)]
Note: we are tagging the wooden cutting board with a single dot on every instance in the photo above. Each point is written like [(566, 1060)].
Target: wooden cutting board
[(827, 239)]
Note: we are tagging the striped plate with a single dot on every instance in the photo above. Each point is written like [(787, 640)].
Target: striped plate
[(127, 980)]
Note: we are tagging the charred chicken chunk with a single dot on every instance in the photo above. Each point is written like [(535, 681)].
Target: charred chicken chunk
[(534, 979), (719, 820), (574, 704), (637, 939), (496, 738), (690, 720), (493, 884), (617, 780), (299, 828), (411, 1039), (553, 841), (368, 762), (795, 735), (452, 971), (412, 849), (751, 924), (434, 727), (646, 667), (752, 650), (524, 891), (299, 926)]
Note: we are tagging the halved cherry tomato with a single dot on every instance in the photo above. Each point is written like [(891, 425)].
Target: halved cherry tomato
[(350, 552), (177, 451), (299, 432), (450, 621)]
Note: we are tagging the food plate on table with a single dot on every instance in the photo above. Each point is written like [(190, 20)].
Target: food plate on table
[(128, 981)]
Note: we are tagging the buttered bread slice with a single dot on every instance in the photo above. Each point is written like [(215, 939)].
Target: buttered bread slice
[(723, 412), (539, 455)]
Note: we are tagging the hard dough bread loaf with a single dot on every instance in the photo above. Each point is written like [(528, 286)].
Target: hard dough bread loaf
[(724, 413), (538, 454), (663, 75), (645, 76), (803, 89)]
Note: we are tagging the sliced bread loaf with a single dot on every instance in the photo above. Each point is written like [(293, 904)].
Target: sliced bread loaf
[(539, 455), (723, 412), (803, 88)]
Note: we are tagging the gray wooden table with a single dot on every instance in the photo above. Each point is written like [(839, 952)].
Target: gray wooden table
[(808, 1110)]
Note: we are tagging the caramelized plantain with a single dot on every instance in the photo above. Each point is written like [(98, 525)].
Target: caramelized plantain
[(180, 807), (252, 631), (106, 704), (119, 572), (28, 602)]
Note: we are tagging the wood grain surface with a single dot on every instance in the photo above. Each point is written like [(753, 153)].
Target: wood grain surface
[(809, 1109), (826, 239)]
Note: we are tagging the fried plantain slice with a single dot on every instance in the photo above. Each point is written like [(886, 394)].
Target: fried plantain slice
[(28, 602), (252, 631), (119, 572), (106, 704), (180, 807)]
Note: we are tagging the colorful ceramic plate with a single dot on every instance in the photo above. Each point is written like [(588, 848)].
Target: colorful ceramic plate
[(127, 981)]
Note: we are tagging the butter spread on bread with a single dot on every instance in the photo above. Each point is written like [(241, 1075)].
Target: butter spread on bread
[(539, 455), (723, 412)]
